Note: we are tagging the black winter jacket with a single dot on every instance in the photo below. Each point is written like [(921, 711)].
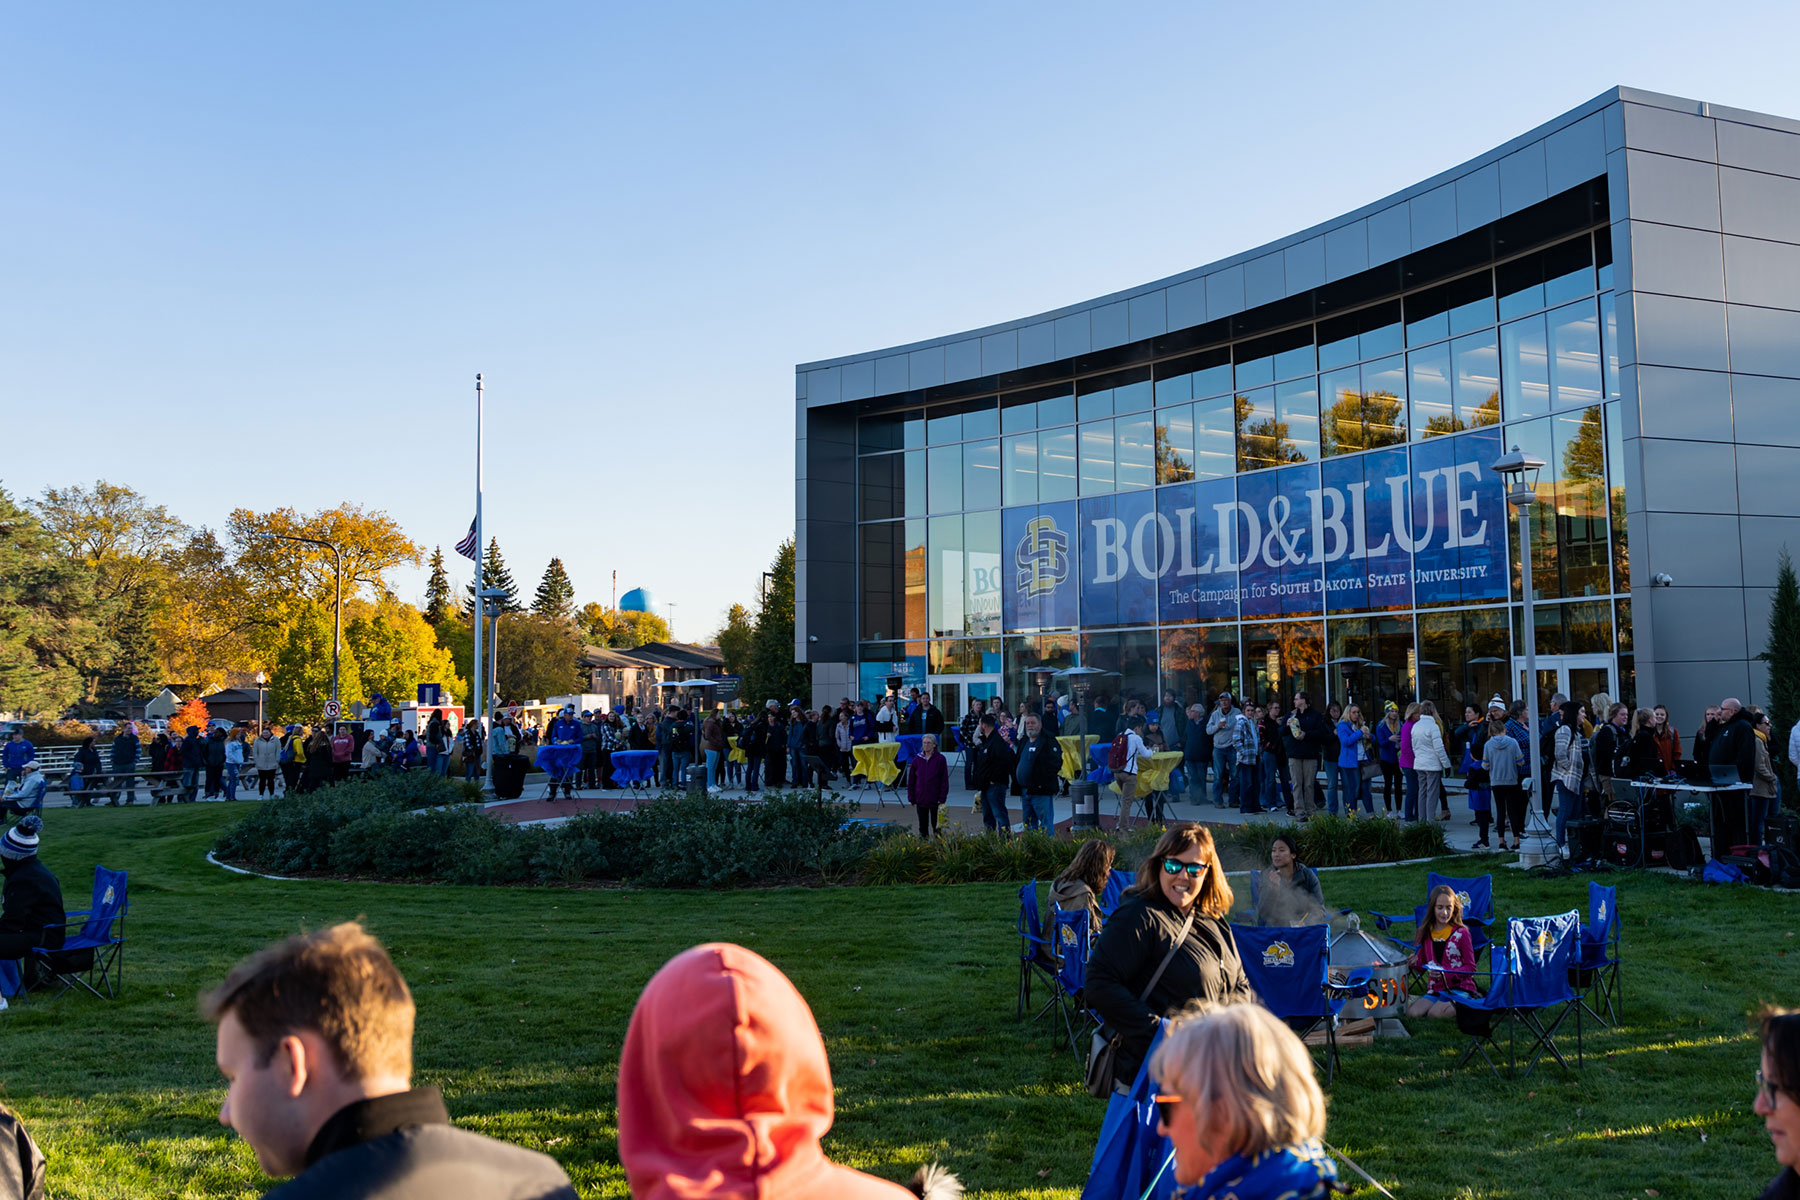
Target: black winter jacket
[(403, 1147), (1046, 767), (1317, 739), (1131, 946), (1735, 745), (33, 899), (993, 762)]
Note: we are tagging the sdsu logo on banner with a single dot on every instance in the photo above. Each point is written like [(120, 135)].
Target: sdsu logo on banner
[(1039, 548), (1042, 557)]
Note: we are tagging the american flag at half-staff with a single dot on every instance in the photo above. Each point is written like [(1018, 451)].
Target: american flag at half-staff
[(468, 547)]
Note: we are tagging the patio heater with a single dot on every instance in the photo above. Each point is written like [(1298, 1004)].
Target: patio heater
[(1520, 471)]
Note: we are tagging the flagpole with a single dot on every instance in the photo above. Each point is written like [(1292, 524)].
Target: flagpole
[(480, 709)]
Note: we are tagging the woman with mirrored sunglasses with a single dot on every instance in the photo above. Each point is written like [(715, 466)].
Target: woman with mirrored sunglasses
[(1181, 879)]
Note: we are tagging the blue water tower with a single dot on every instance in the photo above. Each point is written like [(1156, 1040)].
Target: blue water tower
[(638, 600)]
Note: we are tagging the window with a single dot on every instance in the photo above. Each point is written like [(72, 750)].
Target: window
[(1384, 402), (1097, 472), (1455, 307), (1258, 440), (879, 557), (944, 477), (982, 576), (1525, 368), (1056, 464), (1431, 393), (1297, 415), (1019, 468), (1134, 450), (1476, 358), (1575, 379), (1175, 444), (947, 587), (981, 475), (882, 431), (913, 489), (1215, 437), (880, 484), (1552, 276)]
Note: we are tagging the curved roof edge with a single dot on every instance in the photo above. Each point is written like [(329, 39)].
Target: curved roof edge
[(1560, 153)]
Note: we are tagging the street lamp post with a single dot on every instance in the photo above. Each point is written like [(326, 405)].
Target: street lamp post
[(261, 681), (1520, 473), (337, 611)]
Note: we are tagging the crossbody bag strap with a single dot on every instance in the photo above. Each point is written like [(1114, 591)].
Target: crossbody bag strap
[(1167, 958)]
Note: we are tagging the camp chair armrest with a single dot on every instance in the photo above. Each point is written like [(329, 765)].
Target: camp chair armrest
[(1384, 920)]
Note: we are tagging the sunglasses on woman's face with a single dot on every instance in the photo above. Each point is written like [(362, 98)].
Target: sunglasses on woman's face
[(1165, 1109), (1174, 866)]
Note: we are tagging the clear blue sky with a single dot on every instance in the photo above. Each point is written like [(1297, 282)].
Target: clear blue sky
[(254, 254)]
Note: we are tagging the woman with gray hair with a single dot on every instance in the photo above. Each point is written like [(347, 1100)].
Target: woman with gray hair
[(1238, 1101)]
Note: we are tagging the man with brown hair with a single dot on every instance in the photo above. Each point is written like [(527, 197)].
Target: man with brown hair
[(315, 1043)]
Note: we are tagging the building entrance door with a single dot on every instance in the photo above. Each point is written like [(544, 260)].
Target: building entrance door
[(952, 693), (1577, 676)]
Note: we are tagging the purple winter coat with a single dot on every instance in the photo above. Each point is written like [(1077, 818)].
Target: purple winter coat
[(927, 780)]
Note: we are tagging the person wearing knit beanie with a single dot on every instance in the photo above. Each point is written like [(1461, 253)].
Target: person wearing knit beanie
[(31, 903)]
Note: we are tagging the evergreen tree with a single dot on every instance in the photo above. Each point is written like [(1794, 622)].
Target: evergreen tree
[(1782, 655), (135, 670), (555, 594), (437, 588), (494, 575), (771, 672)]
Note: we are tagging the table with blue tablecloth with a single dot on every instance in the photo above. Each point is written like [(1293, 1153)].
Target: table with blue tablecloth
[(633, 768), (560, 762)]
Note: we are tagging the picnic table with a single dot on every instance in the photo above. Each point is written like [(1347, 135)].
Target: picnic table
[(164, 787)]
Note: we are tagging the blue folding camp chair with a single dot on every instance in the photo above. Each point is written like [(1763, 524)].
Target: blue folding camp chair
[(1069, 937), (1114, 891), (93, 958), (1477, 896), (1530, 976), (1597, 957), (1132, 1159), (1037, 956), (1288, 966)]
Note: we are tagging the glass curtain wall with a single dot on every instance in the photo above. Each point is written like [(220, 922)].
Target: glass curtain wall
[(1213, 521)]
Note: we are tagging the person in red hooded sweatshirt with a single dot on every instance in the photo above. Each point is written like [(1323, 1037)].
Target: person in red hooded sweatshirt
[(725, 1091)]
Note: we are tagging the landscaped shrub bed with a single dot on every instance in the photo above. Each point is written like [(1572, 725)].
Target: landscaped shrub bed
[(414, 827)]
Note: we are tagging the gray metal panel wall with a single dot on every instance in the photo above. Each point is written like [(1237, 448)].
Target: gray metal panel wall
[(825, 535), (1707, 241)]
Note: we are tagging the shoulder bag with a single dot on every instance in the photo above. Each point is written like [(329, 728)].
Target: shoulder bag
[(1103, 1048)]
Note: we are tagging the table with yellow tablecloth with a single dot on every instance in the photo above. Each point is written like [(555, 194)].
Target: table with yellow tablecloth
[(1074, 754), (1154, 771), (737, 755), (876, 761)]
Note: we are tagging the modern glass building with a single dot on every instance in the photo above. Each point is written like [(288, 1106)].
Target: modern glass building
[(1274, 471)]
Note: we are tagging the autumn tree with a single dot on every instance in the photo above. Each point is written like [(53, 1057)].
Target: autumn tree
[(191, 715), (301, 682), (396, 649), (734, 639), (555, 594), (437, 589), (372, 545), (621, 630), (118, 534), (212, 622), (538, 657)]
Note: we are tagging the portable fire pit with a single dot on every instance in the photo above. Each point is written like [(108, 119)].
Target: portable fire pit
[(1385, 1001)]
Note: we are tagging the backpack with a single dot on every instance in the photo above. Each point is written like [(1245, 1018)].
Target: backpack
[(1682, 849), (1118, 755)]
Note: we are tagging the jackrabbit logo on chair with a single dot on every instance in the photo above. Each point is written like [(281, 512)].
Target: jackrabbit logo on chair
[(1278, 954)]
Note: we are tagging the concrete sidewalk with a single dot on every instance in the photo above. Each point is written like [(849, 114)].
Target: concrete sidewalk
[(961, 812)]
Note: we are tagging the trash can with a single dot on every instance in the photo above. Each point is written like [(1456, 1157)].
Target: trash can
[(696, 781), (1086, 795), (509, 776)]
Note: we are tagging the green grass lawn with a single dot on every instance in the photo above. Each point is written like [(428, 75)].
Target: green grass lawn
[(524, 996)]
